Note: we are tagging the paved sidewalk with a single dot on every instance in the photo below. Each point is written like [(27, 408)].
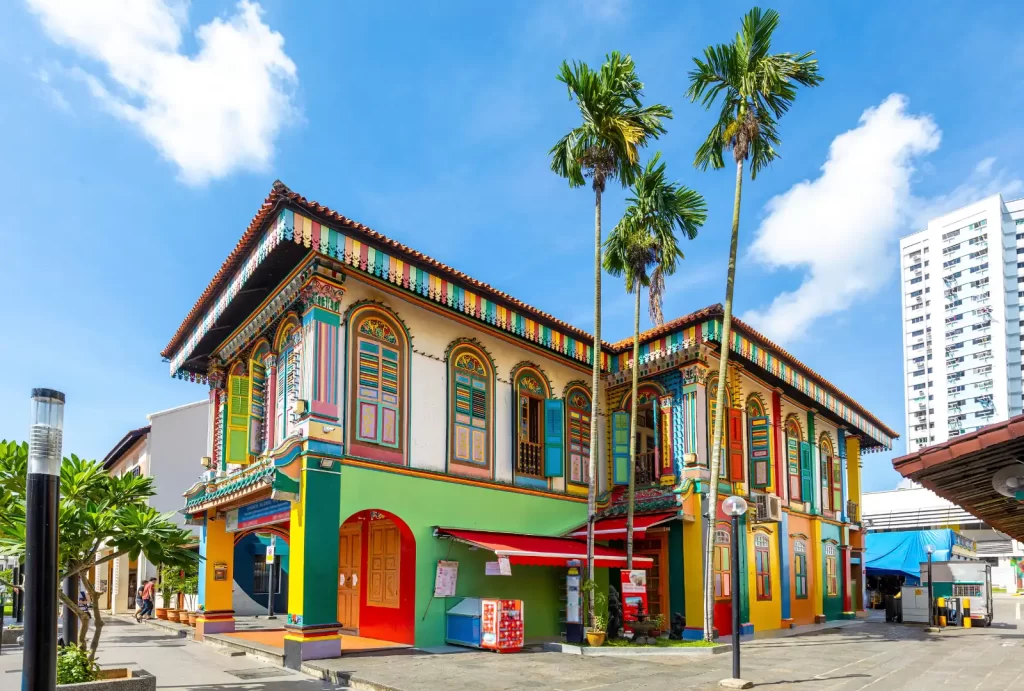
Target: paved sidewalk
[(177, 664), (882, 657)]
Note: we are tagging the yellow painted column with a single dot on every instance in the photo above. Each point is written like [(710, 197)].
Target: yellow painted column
[(853, 468), (216, 578), (693, 570), (818, 582)]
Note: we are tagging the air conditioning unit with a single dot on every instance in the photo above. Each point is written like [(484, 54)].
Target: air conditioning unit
[(768, 508)]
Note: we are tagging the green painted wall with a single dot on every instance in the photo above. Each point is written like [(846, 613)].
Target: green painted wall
[(426, 503), (676, 592)]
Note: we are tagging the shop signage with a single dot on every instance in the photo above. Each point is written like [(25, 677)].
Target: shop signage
[(446, 578), (634, 593), (270, 549), (263, 512), (502, 567)]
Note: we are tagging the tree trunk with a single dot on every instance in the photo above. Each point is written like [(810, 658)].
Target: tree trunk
[(716, 446), (83, 619), (94, 598), (595, 405), (631, 491)]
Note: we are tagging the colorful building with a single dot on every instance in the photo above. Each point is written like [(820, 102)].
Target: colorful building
[(372, 405)]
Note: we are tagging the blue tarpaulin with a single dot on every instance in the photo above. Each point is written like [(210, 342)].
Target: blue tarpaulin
[(901, 553)]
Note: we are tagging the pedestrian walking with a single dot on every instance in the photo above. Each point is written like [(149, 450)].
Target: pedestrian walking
[(146, 594)]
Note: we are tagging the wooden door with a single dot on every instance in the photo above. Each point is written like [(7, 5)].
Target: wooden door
[(385, 560), (349, 561)]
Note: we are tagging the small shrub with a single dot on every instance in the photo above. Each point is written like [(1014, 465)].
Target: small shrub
[(74, 666)]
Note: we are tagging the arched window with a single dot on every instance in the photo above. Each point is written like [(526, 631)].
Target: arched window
[(649, 423), (286, 386), (800, 568), (831, 570), (763, 565), (794, 439), (577, 422), (759, 445), (712, 392), (377, 369), (237, 438), (531, 392), (825, 454), (471, 413), (722, 561)]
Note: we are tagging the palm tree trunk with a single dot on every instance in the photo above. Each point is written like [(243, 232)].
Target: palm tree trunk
[(716, 446), (631, 496), (595, 405)]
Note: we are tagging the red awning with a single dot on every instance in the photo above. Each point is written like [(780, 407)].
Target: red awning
[(615, 528), (539, 550)]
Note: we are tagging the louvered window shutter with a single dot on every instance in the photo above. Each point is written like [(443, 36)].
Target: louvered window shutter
[(759, 445), (553, 426), (806, 473), (238, 419), (620, 448), (735, 444)]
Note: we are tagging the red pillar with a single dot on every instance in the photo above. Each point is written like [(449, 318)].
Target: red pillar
[(847, 586), (781, 479)]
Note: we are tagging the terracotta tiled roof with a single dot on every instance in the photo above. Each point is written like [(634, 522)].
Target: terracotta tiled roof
[(280, 194), (718, 311)]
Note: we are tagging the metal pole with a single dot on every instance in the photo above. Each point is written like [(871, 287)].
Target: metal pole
[(733, 581), (39, 660), (931, 604), (70, 618), (16, 593), (270, 589)]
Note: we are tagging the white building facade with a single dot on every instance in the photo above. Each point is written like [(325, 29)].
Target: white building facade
[(962, 283), (166, 450)]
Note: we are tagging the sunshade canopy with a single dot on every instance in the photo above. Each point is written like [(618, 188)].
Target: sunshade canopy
[(540, 550)]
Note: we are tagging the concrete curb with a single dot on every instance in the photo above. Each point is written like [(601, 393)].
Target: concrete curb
[(344, 679), (140, 680), (695, 651)]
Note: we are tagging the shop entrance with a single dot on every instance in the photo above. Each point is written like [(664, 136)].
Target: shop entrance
[(377, 577)]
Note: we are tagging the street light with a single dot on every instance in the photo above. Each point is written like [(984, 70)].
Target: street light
[(734, 507), (931, 605), (45, 439)]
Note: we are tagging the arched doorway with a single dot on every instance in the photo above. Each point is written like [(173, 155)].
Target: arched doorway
[(722, 574), (377, 577), (252, 573)]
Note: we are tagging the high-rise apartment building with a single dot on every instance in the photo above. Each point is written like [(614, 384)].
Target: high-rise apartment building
[(962, 280)]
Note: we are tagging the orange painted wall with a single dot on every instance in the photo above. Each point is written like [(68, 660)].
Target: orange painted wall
[(802, 611)]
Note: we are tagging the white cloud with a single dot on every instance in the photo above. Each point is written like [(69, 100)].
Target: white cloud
[(211, 113), (52, 92), (841, 226)]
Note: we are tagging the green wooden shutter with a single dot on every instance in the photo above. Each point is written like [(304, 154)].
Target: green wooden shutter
[(553, 438), (258, 377), (806, 473), (238, 419), (620, 448), (759, 443)]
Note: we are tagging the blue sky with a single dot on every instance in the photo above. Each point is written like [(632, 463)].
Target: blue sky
[(135, 148)]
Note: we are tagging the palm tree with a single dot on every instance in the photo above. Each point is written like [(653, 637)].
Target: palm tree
[(615, 126), (643, 240), (757, 88)]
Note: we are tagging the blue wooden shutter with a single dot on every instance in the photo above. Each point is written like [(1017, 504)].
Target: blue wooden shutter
[(806, 473), (759, 443), (553, 437), (620, 448)]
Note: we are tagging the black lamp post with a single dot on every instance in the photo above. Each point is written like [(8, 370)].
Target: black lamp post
[(45, 439), (931, 604), (734, 507)]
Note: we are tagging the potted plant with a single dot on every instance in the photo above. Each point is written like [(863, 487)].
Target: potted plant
[(166, 591), (596, 634), (190, 589), (658, 621)]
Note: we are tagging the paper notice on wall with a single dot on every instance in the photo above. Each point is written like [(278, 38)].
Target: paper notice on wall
[(504, 566), (492, 568), (446, 579)]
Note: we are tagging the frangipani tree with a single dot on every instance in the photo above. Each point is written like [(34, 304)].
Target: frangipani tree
[(643, 247), (97, 512), (756, 88)]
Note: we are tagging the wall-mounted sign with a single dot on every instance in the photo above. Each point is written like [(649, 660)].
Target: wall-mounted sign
[(263, 512), (271, 548), (572, 594), (220, 571), (446, 579)]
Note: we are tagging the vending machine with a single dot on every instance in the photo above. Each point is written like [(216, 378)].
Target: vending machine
[(486, 623), (502, 625)]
